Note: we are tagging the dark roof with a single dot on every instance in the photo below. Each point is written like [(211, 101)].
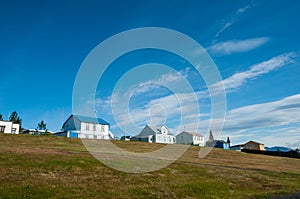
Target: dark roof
[(88, 119), (254, 142), (238, 145), (222, 141), (157, 129)]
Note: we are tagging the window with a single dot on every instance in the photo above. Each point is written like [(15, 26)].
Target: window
[(13, 130), (94, 127), (87, 127), (102, 128), (2, 129)]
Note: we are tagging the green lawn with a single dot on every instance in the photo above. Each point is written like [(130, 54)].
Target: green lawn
[(57, 167)]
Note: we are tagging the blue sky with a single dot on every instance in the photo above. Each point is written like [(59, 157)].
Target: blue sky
[(255, 45)]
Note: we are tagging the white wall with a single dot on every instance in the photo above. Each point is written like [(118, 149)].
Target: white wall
[(92, 130), (187, 138), (165, 139), (9, 127), (16, 127)]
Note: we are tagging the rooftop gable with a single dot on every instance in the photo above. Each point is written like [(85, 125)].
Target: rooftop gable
[(88, 119), (192, 133)]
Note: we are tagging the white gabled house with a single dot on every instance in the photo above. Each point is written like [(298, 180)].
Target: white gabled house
[(190, 138), (155, 134), (9, 127), (86, 127)]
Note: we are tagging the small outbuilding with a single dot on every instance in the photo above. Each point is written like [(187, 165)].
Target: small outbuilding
[(190, 138)]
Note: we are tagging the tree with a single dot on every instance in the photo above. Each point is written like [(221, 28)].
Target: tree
[(16, 119), (1, 117), (42, 125)]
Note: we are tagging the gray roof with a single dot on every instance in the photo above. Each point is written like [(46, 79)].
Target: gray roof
[(192, 133), (157, 128)]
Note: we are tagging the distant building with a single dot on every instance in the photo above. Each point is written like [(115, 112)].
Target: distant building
[(155, 134), (125, 138), (35, 131), (237, 147), (252, 145), (221, 144), (86, 127), (190, 138), (9, 127)]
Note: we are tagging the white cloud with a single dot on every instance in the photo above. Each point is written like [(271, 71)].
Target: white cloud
[(233, 18), (278, 113), (273, 123), (224, 27), (234, 82), (237, 46), (245, 8)]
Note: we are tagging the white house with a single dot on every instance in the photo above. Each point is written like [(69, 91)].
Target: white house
[(190, 138), (86, 127), (9, 127), (155, 134)]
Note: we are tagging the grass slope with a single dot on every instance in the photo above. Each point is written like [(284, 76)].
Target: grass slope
[(57, 167)]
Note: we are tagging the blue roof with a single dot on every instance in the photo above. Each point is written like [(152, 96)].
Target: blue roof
[(91, 119)]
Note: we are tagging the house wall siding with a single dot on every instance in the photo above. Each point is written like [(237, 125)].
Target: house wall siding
[(9, 127), (187, 138)]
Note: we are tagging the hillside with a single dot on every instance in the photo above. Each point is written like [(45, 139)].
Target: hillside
[(58, 167)]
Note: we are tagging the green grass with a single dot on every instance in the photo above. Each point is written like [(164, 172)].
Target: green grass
[(57, 167)]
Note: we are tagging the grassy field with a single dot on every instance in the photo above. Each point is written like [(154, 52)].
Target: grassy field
[(57, 167)]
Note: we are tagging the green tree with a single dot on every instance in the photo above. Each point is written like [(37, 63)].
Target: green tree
[(15, 118), (42, 125), (1, 117)]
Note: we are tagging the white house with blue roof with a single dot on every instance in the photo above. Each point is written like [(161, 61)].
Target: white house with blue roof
[(86, 127)]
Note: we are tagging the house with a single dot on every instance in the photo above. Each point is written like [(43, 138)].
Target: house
[(221, 144), (85, 127), (190, 138), (9, 127), (237, 147), (251, 145), (125, 138), (155, 134)]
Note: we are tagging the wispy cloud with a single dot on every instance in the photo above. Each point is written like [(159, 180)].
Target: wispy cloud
[(224, 27), (234, 82), (233, 18), (245, 8), (237, 46), (277, 113)]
